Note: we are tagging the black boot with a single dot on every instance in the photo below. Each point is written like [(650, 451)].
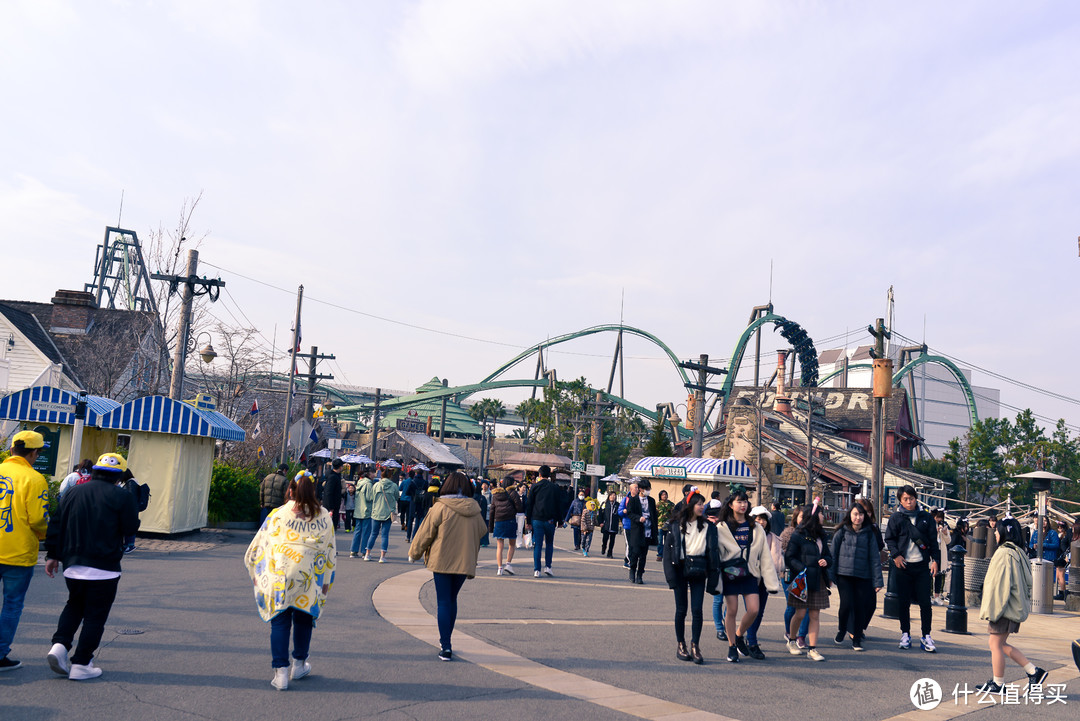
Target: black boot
[(639, 580), (695, 653), (631, 575), (681, 653)]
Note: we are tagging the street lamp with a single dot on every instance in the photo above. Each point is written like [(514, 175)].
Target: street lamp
[(207, 352)]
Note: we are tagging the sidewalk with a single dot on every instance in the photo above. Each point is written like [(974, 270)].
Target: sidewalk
[(184, 642)]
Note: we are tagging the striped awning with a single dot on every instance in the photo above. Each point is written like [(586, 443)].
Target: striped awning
[(695, 469), (158, 414), (45, 404)]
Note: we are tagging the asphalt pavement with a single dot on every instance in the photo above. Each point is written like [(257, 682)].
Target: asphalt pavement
[(185, 642)]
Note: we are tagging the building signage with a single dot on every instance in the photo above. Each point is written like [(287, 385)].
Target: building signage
[(46, 460), (410, 425), (668, 472), (348, 444), (46, 407)]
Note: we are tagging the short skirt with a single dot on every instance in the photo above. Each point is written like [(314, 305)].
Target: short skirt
[(506, 529), (1002, 626), (815, 600), (745, 586)]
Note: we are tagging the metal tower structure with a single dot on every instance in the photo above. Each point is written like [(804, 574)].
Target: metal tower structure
[(120, 276)]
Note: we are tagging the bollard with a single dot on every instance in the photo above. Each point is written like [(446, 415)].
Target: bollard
[(890, 606), (956, 613)]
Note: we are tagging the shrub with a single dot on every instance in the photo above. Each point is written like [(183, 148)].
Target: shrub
[(234, 494)]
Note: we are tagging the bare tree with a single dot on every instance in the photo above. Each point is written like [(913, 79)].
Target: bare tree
[(166, 252)]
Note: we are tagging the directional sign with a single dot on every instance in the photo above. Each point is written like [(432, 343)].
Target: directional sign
[(595, 470), (578, 466)]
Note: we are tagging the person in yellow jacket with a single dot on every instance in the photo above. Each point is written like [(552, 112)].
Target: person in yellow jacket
[(449, 541), (1006, 602), (24, 517)]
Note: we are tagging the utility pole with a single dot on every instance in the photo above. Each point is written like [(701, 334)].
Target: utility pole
[(313, 359), (704, 371), (292, 374), (882, 389), (597, 418), (375, 424), (193, 286)]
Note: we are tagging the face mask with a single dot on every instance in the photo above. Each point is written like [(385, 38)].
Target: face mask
[(645, 493), (581, 498)]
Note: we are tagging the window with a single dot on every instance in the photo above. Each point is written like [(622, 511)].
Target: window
[(789, 497), (779, 469)]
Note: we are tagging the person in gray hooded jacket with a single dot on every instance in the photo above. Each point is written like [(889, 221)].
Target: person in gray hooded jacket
[(856, 573)]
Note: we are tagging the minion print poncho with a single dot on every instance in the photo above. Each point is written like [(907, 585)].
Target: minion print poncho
[(290, 560)]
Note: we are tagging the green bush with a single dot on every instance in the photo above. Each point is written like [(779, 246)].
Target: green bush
[(234, 494)]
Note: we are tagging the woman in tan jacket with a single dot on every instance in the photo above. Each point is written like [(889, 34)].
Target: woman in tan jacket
[(449, 541)]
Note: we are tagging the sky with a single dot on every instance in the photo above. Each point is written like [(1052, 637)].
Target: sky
[(454, 181)]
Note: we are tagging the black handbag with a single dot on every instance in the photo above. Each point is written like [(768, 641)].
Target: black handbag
[(695, 567)]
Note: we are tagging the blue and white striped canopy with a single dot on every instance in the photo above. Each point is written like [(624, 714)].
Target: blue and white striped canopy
[(158, 414), (695, 467), (45, 404)]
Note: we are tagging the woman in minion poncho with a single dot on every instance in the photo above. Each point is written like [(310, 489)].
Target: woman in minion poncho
[(291, 563)]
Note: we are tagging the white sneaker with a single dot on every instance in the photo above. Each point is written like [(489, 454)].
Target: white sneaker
[(299, 669), (367, 557), (499, 572), (547, 572), (382, 559), (928, 644), (508, 570), (813, 655), (58, 659), (79, 672), (905, 640), (536, 574), (793, 649), (281, 678)]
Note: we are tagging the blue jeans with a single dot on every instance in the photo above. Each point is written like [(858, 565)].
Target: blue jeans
[(804, 627), (16, 580), (543, 533), (447, 586), (360, 535), (300, 623), (378, 527), (660, 543)]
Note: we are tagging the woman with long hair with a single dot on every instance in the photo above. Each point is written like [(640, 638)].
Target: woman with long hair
[(785, 536), (856, 573), (449, 541), (691, 567), (610, 524), (745, 562), (1006, 601), (291, 563), (808, 551)]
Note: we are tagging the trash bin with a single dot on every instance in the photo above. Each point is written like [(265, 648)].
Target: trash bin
[(1042, 586)]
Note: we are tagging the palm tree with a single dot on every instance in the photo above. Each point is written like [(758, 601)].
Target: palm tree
[(530, 410)]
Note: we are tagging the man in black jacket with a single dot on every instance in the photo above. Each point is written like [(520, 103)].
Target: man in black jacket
[(87, 536), (911, 537), (331, 491), (641, 511), (545, 509)]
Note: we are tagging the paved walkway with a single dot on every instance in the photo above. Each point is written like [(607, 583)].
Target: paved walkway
[(184, 642)]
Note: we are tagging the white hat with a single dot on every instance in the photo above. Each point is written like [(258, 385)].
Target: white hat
[(760, 511)]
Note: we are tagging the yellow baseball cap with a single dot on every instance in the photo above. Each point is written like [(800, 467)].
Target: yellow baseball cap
[(111, 462), (302, 474), (30, 439)]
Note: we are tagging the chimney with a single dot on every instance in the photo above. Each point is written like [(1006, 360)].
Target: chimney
[(782, 403), (71, 312)]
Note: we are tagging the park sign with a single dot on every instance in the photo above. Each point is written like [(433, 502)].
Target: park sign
[(669, 472), (578, 466)]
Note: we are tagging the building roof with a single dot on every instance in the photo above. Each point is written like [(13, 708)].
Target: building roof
[(535, 460), (44, 404), (97, 358), (158, 414), (431, 449), (458, 421), (696, 468), (35, 332)]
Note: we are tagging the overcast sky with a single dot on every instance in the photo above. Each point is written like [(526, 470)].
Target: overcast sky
[(507, 171)]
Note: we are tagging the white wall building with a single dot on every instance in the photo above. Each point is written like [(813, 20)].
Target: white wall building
[(940, 404)]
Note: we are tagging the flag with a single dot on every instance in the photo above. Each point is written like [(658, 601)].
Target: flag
[(314, 436), (255, 407), (255, 433), (298, 337), (262, 453)]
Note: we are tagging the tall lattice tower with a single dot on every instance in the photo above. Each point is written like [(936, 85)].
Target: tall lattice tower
[(120, 276)]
